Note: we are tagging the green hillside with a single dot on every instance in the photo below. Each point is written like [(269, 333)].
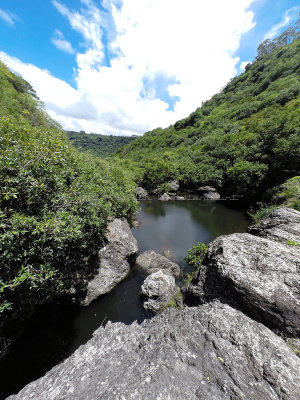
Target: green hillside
[(244, 140), (55, 202), (99, 145)]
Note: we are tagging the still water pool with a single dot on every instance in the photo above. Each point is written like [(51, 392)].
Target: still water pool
[(56, 331)]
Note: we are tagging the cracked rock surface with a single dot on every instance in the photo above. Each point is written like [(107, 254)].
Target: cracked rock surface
[(212, 352)]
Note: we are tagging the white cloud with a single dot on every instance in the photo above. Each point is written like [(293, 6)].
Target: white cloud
[(8, 17), (59, 41), (189, 42), (288, 16), (243, 65)]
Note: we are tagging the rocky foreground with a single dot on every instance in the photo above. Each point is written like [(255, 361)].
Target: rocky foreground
[(212, 352), (222, 349)]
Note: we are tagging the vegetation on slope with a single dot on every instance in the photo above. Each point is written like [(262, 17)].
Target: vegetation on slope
[(54, 202), (244, 140), (100, 145)]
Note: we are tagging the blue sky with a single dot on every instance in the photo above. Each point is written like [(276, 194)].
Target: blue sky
[(127, 66)]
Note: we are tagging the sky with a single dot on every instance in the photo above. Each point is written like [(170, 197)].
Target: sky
[(124, 67)]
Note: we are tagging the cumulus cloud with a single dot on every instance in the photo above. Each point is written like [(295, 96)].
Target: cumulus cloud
[(8, 17), (128, 47), (288, 16), (61, 43), (243, 65)]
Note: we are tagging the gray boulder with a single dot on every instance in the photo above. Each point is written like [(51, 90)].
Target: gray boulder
[(164, 197), (208, 193), (179, 198), (259, 276), (282, 225), (173, 186), (141, 193), (150, 262), (157, 290), (212, 352), (115, 260)]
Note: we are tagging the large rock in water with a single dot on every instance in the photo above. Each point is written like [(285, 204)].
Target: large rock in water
[(150, 262), (157, 290), (164, 197), (259, 276), (208, 193), (141, 193), (115, 260), (212, 352), (282, 225)]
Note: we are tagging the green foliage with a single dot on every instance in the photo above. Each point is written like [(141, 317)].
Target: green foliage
[(244, 140), (99, 145), (262, 212), (18, 100), (289, 194), (176, 301), (55, 203), (292, 243), (196, 254), (163, 187)]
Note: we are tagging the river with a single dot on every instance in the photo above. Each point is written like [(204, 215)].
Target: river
[(56, 331)]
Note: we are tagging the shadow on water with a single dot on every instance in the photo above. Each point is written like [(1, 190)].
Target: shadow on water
[(56, 331)]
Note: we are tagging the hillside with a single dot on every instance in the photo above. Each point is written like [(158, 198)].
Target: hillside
[(99, 145), (244, 140), (55, 203)]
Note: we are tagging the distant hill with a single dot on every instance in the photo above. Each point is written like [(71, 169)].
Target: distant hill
[(244, 140), (99, 145)]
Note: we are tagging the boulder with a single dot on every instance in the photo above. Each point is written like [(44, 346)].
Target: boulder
[(170, 255), (141, 193), (259, 276), (173, 186), (150, 262), (164, 197), (208, 193), (179, 198), (212, 352), (157, 290), (115, 260), (282, 225)]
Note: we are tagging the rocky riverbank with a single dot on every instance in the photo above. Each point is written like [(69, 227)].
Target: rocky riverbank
[(212, 351)]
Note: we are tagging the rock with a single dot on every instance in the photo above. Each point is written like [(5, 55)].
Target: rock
[(170, 255), (256, 275), (115, 260), (150, 262), (179, 198), (136, 224), (282, 225), (164, 197), (212, 352), (173, 186), (141, 193), (208, 193), (157, 290)]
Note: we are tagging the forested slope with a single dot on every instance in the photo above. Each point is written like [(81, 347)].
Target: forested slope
[(244, 140), (99, 145), (54, 202)]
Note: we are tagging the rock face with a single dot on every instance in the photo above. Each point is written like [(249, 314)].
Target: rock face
[(212, 352), (141, 193), (115, 260), (150, 262), (208, 193), (259, 276), (174, 186), (282, 225), (157, 290), (164, 197)]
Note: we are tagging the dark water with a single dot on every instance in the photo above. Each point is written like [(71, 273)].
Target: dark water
[(56, 331)]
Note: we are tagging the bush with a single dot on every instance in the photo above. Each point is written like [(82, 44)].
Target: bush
[(196, 254), (55, 203)]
